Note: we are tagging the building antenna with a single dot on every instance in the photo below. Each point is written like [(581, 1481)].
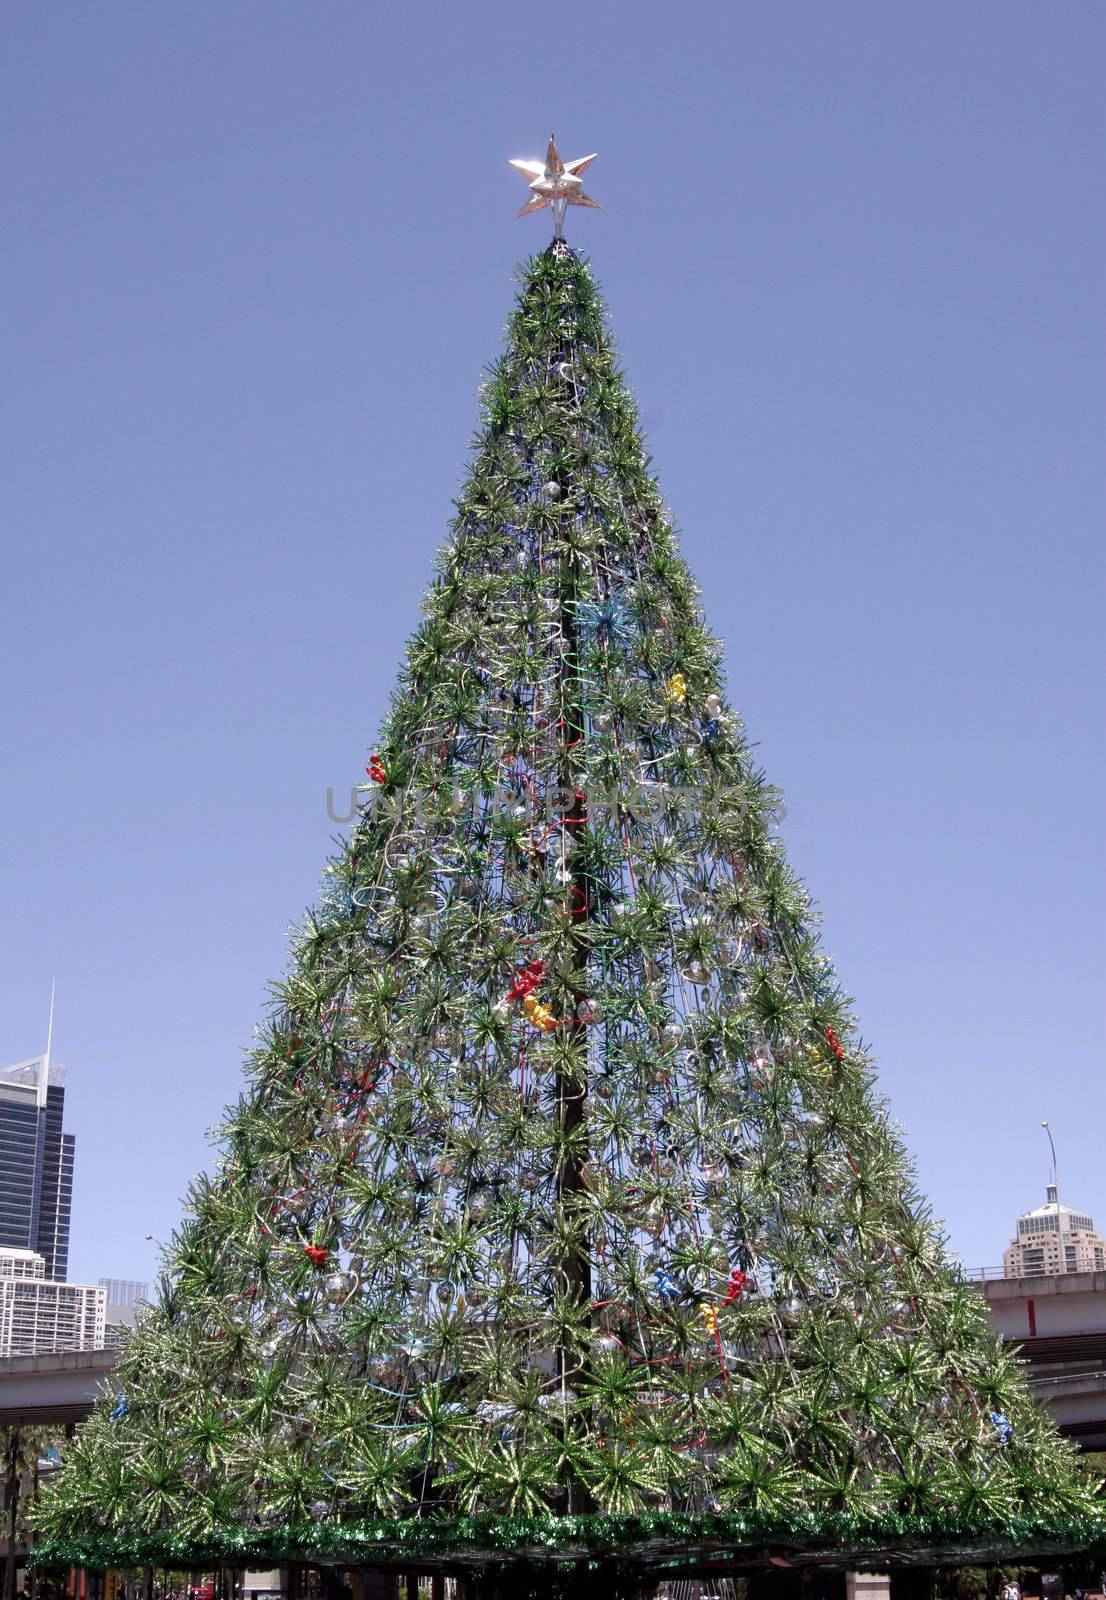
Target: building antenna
[(1055, 1185), (50, 1024), (1051, 1145), (44, 1061)]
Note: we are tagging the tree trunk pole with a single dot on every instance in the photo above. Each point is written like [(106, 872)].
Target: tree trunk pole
[(13, 1512), (572, 1085), (31, 1580)]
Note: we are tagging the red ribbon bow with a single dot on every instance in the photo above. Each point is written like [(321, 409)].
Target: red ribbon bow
[(736, 1285), (317, 1256), (527, 981), (376, 769)]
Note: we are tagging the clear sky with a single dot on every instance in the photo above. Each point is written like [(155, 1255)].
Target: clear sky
[(255, 258)]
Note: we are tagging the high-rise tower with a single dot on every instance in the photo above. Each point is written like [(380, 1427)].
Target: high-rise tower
[(36, 1162), (1054, 1239)]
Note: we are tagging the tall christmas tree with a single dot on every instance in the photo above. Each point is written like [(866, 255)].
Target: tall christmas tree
[(560, 1219)]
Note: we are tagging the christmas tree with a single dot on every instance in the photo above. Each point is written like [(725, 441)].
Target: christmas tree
[(560, 1217)]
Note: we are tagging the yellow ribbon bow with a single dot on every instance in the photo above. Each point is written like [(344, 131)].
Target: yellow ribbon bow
[(539, 1015)]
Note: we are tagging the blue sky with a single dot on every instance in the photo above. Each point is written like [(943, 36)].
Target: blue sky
[(256, 257)]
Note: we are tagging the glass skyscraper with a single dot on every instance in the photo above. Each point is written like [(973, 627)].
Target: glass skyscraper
[(36, 1163)]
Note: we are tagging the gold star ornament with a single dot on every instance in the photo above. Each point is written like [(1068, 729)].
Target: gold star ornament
[(556, 184)]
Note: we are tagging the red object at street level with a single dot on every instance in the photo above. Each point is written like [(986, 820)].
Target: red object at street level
[(317, 1256)]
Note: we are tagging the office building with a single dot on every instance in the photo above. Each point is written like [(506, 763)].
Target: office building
[(36, 1163), (124, 1292), (1054, 1239), (125, 1300), (40, 1316)]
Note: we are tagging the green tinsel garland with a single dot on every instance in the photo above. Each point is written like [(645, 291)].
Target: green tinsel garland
[(658, 1541)]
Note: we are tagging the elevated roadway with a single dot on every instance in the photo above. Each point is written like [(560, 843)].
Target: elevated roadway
[(1059, 1327), (52, 1389)]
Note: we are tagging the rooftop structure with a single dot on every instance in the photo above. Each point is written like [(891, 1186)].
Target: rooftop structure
[(1052, 1239)]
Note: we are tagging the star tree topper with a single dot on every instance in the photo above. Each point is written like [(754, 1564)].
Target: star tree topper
[(555, 183)]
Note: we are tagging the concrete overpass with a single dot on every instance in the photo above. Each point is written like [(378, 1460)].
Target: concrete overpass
[(1059, 1326), (52, 1389)]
